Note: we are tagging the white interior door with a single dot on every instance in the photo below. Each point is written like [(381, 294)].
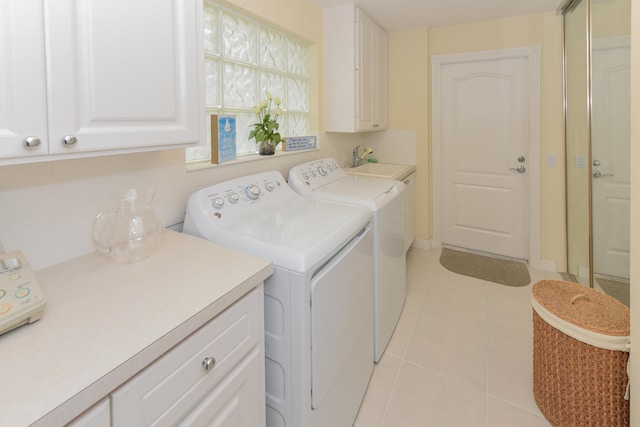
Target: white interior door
[(610, 154), (485, 134)]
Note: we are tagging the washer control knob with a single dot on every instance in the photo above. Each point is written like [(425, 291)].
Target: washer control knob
[(234, 198), (218, 202), (252, 192), (269, 186), (322, 171)]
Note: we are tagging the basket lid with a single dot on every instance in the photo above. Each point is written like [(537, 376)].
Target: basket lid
[(583, 307)]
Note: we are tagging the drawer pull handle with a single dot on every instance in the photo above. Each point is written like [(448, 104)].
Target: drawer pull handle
[(208, 363), (69, 140), (31, 141)]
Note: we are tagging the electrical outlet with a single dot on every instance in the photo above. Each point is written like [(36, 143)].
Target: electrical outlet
[(552, 160)]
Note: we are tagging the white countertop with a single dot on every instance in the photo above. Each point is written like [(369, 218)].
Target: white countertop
[(104, 322)]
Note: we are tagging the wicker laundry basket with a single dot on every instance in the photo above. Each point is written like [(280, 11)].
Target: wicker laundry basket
[(580, 354)]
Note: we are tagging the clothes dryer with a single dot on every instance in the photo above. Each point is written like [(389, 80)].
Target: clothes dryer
[(324, 180), (318, 302)]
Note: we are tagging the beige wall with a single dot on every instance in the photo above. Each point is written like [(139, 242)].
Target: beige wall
[(635, 206), (409, 110), (611, 18), (544, 30)]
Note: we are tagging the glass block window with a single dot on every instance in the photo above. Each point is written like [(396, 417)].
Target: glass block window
[(244, 59)]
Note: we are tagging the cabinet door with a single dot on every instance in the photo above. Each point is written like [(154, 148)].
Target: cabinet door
[(122, 74), (371, 73), (379, 102), (364, 74), (22, 78)]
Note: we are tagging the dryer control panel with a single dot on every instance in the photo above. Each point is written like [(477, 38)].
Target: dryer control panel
[(309, 176)]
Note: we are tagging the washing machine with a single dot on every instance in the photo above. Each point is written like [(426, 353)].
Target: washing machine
[(318, 302), (386, 199)]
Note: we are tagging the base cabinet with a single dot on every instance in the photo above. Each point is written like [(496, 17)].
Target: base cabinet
[(214, 377)]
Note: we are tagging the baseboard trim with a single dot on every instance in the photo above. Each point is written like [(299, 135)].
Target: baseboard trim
[(421, 244)]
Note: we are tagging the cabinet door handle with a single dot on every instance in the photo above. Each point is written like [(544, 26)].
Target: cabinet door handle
[(69, 140), (208, 363), (31, 141)]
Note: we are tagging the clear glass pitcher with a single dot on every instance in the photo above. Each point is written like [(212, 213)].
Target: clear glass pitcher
[(129, 230)]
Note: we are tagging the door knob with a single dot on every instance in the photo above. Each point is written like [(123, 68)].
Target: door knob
[(598, 174), (519, 169)]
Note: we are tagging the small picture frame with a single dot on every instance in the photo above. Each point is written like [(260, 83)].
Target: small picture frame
[(223, 138)]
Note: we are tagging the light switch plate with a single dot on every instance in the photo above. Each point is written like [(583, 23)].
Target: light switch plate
[(552, 160)]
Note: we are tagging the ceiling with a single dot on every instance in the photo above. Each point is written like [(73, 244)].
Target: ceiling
[(399, 15)]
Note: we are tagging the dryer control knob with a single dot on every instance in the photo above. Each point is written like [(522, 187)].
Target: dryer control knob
[(269, 186), (218, 202), (234, 198), (322, 171), (252, 192), (306, 176)]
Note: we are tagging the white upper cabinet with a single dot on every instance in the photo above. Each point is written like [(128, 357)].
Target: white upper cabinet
[(87, 77), (355, 58)]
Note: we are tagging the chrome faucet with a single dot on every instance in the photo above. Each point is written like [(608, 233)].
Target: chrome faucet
[(356, 157), (357, 160)]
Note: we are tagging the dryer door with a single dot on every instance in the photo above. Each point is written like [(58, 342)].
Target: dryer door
[(342, 330)]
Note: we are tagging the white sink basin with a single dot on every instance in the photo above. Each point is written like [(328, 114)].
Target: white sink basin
[(382, 170)]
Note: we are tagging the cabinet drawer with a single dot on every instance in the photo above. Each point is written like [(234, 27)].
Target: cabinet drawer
[(169, 389), (233, 402)]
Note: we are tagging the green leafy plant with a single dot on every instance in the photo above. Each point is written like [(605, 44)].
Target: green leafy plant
[(267, 127)]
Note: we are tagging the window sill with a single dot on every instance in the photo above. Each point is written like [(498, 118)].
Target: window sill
[(244, 159)]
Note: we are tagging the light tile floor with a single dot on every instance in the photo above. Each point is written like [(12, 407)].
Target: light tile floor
[(461, 354)]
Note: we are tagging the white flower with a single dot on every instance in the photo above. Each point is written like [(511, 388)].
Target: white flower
[(267, 127)]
